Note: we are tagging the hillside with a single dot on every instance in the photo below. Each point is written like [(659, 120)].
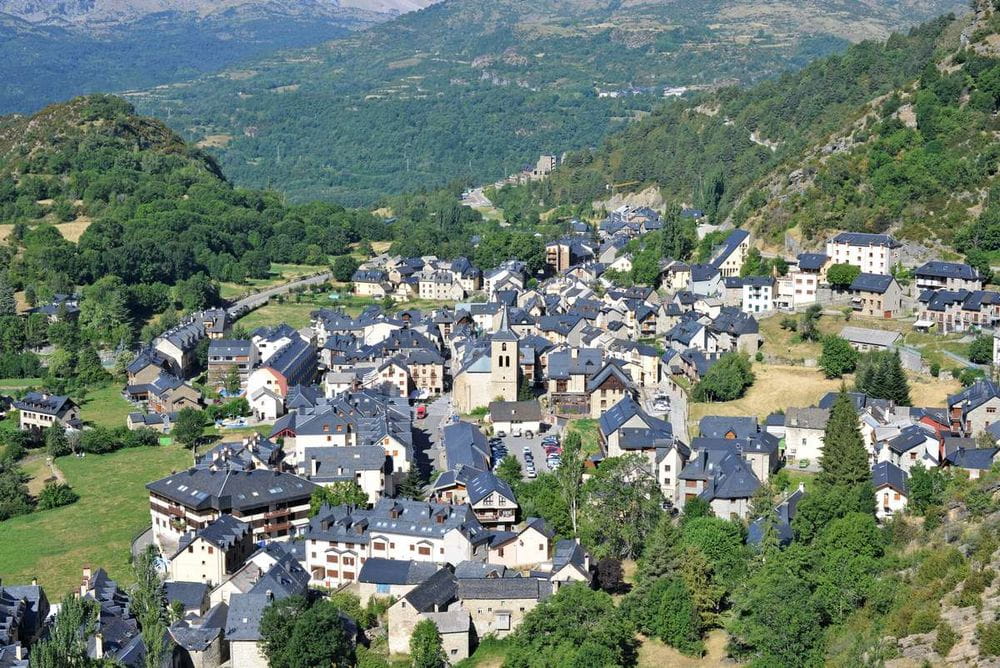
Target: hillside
[(54, 50), (472, 89), (155, 210), (898, 136)]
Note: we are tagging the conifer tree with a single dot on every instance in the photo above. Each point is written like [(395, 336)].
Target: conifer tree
[(659, 556), (897, 386), (8, 305), (844, 461)]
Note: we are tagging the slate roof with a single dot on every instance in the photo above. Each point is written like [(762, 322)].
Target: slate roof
[(807, 418), (561, 364), (506, 589), (42, 403), (784, 513), (420, 519), (376, 570), (655, 433), (727, 474), (971, 458), (939, 269), (436, 591), (487, 483), (717, 426), (975, 395), (341, 463), (190, 594), (871, 337), (568, 552), (225, 491), (909, 437), (612, 368), (877, 283), (887, 474), (478, 569), (703, 272), (730, 244), (864, 239), (812, 261), (229, 348), (523, 411), (465, 445), (223, 532)]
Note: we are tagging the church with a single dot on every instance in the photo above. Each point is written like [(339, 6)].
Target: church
[(491, 373)]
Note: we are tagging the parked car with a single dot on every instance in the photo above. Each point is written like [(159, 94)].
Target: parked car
[(421, 411), (515, 432), (502, 434), (528, 433), (531, 473), (526, 449)]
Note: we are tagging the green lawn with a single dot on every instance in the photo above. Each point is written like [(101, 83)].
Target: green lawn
[(18, 383), (106, 407), (97, 530), (297, 314), (280, 273), (590, 434)]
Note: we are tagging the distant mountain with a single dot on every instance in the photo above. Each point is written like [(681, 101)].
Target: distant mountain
[(54, 50), (100, 14), (475, 89)]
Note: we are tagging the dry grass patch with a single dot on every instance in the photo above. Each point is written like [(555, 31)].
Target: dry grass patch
[(776, 388), (654, 654), (74, 230), (215, 141)]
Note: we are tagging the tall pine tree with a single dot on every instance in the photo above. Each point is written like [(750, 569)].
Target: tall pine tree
[(845, 460), (8, 305), (896, 384)]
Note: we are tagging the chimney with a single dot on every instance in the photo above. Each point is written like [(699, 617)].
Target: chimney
[(802, 487), (98, 645), (575, 353), (269, 594), (34, 581), (314, 465), (19, 653)]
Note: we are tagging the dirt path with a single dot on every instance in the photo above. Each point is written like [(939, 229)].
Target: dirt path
[(40, 469)]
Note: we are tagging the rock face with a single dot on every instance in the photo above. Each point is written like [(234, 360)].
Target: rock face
[(105, 13), (650, 197)]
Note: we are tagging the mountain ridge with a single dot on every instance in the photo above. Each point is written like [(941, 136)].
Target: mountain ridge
[(490, 86)]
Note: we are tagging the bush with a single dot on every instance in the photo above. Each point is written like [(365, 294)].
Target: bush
[(989, 638), (933, 517), (981, 350), (56, 494), (924, 620), (935, 369), (973, 587), (946, 639)]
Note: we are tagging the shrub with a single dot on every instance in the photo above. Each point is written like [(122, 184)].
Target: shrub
[(924, 620), (935, 369), (946, 639), (56, 494), (989, 638)]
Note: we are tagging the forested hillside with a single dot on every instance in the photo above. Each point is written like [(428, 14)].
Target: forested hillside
[(473, 89), (159, 218), (897, 137), (159, 211)]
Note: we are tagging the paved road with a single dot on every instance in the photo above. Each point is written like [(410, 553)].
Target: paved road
[(260, 298), (477, 199), (438, 414)]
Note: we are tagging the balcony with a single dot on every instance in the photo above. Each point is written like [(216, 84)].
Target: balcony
[(281, 512), (277, 527)]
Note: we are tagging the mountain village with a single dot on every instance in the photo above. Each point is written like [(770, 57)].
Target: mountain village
[(502, 369)]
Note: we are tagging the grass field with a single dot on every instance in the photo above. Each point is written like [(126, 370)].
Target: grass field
[(18, 383), (589, 432), (97, 530), (779, 387), (297, 314), (106, 407), (280, 273), (654, 654)]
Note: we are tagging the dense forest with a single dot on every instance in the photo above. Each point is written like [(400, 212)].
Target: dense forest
[(467, 89)]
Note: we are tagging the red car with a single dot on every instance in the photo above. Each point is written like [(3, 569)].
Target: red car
[(421, 412)]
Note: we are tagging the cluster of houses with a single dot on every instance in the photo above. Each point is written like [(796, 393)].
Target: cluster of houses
[(239, 529)]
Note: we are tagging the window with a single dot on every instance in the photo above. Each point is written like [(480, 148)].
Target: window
[(378, 546), (503, 621), (424, 550)]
